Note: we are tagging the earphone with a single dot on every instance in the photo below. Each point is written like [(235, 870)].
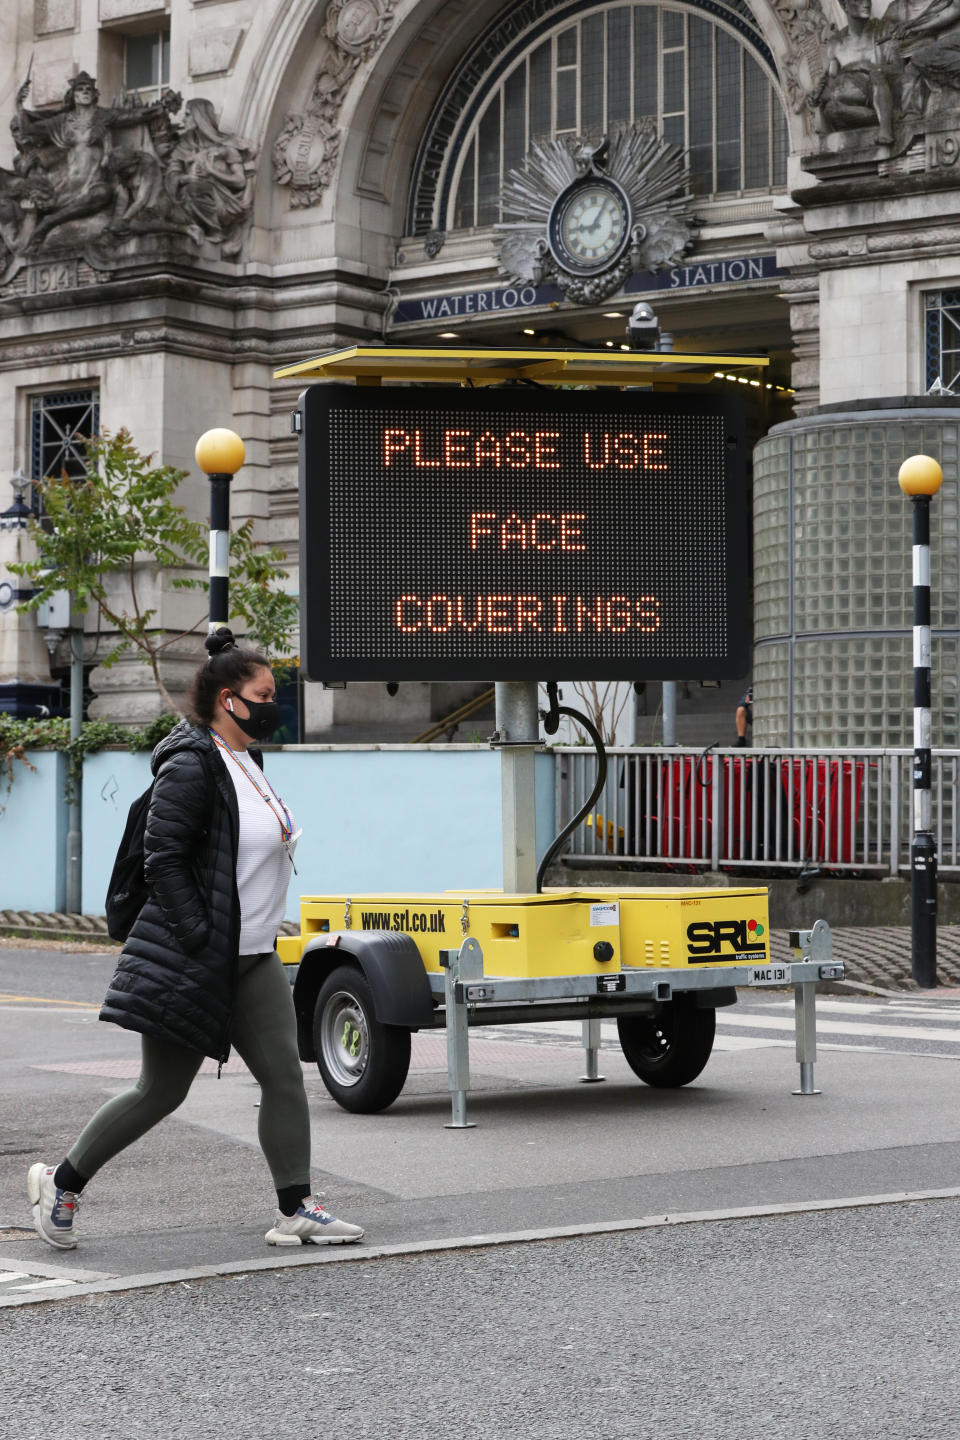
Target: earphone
[(229, 704)]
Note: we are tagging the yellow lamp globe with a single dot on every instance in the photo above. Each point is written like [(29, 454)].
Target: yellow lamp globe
[(920, 475), (220, 452)]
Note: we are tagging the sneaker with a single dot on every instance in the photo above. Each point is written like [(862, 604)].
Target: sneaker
[(54, 1210), (312, 1225)]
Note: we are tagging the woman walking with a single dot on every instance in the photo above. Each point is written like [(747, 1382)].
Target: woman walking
[(199, 972)]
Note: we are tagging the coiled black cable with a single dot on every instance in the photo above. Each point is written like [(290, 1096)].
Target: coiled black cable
[(551, 723)]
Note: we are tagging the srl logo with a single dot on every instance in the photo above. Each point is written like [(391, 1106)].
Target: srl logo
[(706, 939)]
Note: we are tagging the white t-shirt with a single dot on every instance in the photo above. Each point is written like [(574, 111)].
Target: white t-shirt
[(264, 865)]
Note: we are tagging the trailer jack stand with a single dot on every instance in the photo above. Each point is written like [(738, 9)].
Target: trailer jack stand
[(458, 966), (815, 945), (591, 1044)]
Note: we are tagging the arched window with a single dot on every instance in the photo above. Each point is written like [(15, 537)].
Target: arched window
[(686, 69)]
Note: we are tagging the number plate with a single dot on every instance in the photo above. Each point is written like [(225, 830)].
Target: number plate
[(610, 984), (769, 975)]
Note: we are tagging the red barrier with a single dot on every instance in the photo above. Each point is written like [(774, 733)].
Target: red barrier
[(687, 805), (825, 802), (821, 797)]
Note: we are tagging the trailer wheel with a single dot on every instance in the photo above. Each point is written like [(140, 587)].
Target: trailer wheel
[(671, 1047), (362, 1063)]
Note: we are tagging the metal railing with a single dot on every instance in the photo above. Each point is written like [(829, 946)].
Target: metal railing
[(842, 811)]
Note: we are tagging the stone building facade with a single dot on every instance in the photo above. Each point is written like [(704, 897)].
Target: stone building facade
[(197, 192)]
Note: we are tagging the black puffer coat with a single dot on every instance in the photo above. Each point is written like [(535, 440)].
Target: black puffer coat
[(178, 968)]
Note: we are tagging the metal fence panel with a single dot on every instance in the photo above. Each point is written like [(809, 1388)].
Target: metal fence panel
[(845, 811)]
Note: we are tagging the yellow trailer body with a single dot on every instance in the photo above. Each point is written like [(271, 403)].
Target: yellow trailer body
[(521, 936), (677, 928), (559, 932)]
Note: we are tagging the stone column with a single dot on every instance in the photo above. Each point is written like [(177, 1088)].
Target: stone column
[(801, 289)]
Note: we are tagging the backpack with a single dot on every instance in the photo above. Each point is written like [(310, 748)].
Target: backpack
[(128, 890)]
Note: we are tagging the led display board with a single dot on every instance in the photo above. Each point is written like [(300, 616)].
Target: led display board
[(521, 533)]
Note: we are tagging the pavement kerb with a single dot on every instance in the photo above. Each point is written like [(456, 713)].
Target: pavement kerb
[(857, 987), (341, 1254), (60, 925)]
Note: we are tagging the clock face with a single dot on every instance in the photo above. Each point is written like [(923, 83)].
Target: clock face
[(589, 225)]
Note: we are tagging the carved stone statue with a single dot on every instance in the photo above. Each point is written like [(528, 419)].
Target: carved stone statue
[(926, 39), (210, 177), (20, 201), (855, 90), (114, 174), (71, 146), (890, 79)]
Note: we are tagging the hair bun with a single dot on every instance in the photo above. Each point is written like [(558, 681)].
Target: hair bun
[(219, 641)]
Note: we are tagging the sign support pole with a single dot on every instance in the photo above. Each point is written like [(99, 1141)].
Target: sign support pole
[(518, 735), (669, 712)]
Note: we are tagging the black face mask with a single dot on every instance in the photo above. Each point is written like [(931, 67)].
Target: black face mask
[(263, 719)]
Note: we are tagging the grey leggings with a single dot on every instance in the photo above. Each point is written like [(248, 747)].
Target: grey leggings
[(265, 1037)]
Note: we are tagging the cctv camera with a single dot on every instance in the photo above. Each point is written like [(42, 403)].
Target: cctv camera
[(643, 327)]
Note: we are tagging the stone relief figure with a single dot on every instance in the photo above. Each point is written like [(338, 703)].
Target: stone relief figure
[(894, 73), (20, 201), (210, 177), (855, 90), (926, 39), (72, 146), (114, 174)]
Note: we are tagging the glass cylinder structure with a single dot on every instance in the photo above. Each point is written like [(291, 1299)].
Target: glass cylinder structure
[(833, 575)]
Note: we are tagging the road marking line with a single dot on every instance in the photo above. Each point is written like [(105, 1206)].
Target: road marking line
[(42, 1285), (917, 1008), (45, 1000), (749, 1042), (950, 1055), (344, 1254), (843, 1027), (13, 1269)]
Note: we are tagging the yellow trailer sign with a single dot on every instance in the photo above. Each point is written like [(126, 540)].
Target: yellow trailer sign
[(676, 929), (522, 936)]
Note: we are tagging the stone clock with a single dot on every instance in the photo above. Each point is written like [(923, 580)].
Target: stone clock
[(583, 215)]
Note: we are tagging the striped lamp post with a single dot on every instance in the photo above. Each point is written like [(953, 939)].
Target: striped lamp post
[(920, 477), (219, 453)]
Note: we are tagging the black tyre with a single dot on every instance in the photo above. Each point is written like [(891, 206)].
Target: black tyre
[(363, 1063), (671, 1047)]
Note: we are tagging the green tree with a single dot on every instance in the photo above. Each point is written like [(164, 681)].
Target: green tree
[(99, 529)]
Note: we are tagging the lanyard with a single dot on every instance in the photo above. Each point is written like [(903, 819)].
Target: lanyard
[(285, 821)]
